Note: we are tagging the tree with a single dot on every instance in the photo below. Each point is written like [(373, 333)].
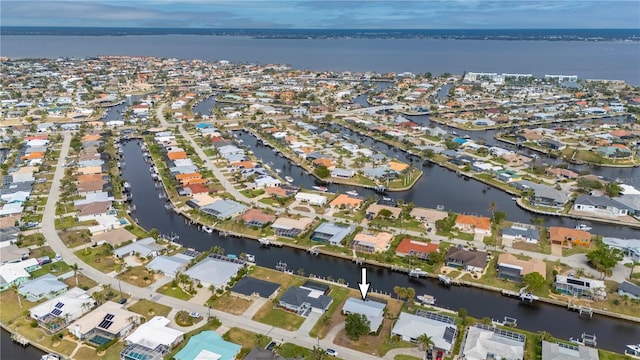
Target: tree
[(534, 282), (411, 295), (425, 342), (499, 216), (357, 325), (154, 233), (604, 259), (612, 189), (74, 267), (322, 172), (493, 207), (385, 213)]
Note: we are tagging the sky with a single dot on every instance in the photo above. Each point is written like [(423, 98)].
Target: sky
[(324, 14)]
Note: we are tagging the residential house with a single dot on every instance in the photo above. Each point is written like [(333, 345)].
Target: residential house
[(146, 247), (614, 152), (44, 287), (224, 209), (108, 321), (468, 260), (552, 144), (480, 225), (630, 290), (629, 247), (582, 287), (373, 310), (153, 338), (311, 199), (600, 205), (215, 270), (256, 218), (513, 269), (303, 300), (344, 201), (342, 173), (16, 273), (58, 312), (568, 237), (428, 216), (374, 209), (484, 342), (520, 232), (332, 233), (208, 345), (416, 248), (561, 351), (372, 242), (441, 328), (249, 287), (169, 265), (288, 227)]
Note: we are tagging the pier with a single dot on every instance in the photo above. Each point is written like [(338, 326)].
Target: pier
[(17, 338), (583, 310)]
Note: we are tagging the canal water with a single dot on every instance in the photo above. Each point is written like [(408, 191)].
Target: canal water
[(10, 350), (150, 213)]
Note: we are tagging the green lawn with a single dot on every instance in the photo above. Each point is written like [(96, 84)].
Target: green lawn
[(70, 221), (138, 276), (101, 258), (273, 316), (29, 240), (339, 295), (56, 268), (405, 357), (149, 309), (175, 292), (247, 339)]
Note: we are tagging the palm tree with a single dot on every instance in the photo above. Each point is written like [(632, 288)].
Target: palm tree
[(425, 342), (318, 353), (411, 295), (493, 207), (75, 268)]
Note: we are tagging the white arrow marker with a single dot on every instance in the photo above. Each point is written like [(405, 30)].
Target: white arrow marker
[(364, 285)]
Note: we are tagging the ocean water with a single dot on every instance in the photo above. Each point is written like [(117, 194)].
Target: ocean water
[(613, 60)]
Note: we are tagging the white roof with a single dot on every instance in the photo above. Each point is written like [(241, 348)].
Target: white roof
[(480, 342), (155, 332), (372, 310), (412, 326), (10, 209), (75, 301), (10, 272), (121, 319), (310, 197), (214, 272)]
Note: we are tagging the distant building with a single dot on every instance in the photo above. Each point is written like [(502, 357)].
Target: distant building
[(581, 287), (513, 269), (332, 233), (562, 351), (468, 260), (483, 342)]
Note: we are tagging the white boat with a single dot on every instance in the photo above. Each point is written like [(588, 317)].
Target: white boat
[(351, 193), (289, 179), (427, 299), (514, 198), (207, 229), (50, 356), (320, 188), (583, 227), (250, 258), (632, 350)]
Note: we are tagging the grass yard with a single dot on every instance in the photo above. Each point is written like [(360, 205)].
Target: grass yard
[(293, 351), (55, 268), (30, 240), (149, 309), (285, 280), (270, 315), (139, 276), (247, 339), (112, 353), (13, 309), (37, 334), (405, 357), (70, 221), (175, 292), (231, 304), (332, 316), (43, 251), (75, 238), (84, 282), (100, 258), (183, 318)]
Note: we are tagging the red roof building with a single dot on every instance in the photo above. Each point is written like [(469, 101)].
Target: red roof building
[(419, 249)]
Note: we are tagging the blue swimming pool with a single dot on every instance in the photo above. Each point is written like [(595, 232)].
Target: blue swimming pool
[(99, 340)]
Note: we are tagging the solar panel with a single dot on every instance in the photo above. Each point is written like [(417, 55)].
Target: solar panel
[(449, 334), (435, 316), (504, 333), (109, 317), (105, 324), (59, 305), (56, 312)]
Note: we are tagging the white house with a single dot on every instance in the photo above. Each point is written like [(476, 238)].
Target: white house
[(155, 332), (69, 306), (600, 205), (311, 199), (441, 328)]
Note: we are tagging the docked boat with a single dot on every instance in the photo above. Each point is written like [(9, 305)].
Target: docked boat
[(514, 198), (351, 193), (583, 227), (207, 229), (632, 350), (50, 356), (427, 299), (289, 179), (250, 258), (320, 188)]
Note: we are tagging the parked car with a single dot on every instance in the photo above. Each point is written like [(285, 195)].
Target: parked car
[(332, 352)]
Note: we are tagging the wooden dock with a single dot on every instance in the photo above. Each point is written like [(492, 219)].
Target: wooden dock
[(17, 338)]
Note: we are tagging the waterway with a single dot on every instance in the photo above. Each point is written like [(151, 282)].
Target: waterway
[(10, 350), (150, 213)]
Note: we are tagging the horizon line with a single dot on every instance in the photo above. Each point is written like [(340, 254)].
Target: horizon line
[(290, 28)]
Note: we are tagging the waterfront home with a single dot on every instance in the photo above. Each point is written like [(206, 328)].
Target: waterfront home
[(373, 210), (373, 310), (92, 210), (552, 144), (513, 269), (543, 195), (342, 173), (468, 260), (190, 178), (169, 265), (106, 322), (44, 287), (441, 328), (480, 225), (16, 273), (508, 176), (332, 233), (214, 270), (289, 227), (628, 289), (561, 351), (629, 247), (58, 312), (311, 199), (600, 206), (224, 209), (264, 181), (257, 218), (568, 237), (344, 201), (208, 345), (562, 173), (146, 247), (520, 232), (249, 287), (484, 342), (152, 339), (428, 216), (302, 300), (370, 242), (581, 287), (615, 152), (416, 248)]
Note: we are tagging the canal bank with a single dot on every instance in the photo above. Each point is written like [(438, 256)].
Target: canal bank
[(150, 212)]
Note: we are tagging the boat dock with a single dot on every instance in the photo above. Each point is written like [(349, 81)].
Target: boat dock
[(583, 310), (17, 338), (522, 295), (268, 242)]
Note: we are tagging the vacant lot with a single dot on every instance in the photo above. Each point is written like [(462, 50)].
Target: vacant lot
[(149, 309), (271, 315), (174, 291), (100, 257), (139, 276), (75, 238), (231, 304)]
